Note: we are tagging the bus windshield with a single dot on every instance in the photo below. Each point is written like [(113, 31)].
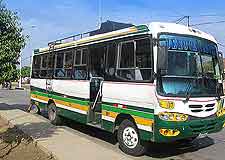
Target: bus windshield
[(193, 67)]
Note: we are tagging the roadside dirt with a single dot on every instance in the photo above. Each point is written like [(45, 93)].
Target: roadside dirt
[(15, 145)]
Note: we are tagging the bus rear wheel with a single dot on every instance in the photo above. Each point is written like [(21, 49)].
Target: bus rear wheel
[(33, 109), (129, 140), (53, 115)]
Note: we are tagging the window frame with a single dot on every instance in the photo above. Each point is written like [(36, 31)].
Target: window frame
[(119, 50), (64, 52), (35, 69), (81, 62)]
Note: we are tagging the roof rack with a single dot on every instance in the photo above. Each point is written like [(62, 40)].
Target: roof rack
[(69, 39), (107, 26)]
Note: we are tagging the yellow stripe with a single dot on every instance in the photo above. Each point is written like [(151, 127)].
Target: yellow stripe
[(138, 120), (68, 104), (109, 114), (72, 105), (89, 39), (143, 121), (40, 97)]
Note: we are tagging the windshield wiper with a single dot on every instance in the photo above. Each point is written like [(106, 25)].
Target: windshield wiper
[(188, 90)]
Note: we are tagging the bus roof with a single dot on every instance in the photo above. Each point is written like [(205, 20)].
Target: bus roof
[(99, 37), (156, 27), (159, 27)]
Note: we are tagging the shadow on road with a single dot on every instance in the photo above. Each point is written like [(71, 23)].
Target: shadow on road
[(4, 106), (92, 131), (165, 150), (154, 150)]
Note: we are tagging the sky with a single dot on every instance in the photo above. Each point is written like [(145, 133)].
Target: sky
[(47, 20)]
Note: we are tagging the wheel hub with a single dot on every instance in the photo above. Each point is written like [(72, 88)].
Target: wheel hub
[(52, 114), (33, 109), (130, 137)]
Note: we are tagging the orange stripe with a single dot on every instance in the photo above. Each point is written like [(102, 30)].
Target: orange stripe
[(40, 97), (72, 105)]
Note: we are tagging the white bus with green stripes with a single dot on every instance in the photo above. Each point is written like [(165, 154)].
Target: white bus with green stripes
[(159, 82)]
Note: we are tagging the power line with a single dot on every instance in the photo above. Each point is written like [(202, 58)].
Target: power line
[(26, 58), (211, 15), (222, 45), (206, 23), (182, 18)]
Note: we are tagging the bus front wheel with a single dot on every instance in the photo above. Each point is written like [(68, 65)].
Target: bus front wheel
[(129, 140), (52, 114)]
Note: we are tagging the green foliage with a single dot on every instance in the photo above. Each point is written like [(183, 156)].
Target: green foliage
[(25, 71), (12, 41)]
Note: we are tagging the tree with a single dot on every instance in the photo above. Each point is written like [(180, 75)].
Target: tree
[(12, 41), (25, 71)]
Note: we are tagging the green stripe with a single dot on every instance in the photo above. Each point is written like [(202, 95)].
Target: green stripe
[(53, 94), (141, 109), (127, 111), (72, 115), (142, 28), (107, 125), (61, 98)]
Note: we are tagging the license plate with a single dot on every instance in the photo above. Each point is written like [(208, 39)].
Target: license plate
[(202, 135)]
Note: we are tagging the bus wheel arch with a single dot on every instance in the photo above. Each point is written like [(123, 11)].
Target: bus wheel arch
[(120, 118)]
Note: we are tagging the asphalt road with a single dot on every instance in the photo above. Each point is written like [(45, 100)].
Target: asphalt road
[(208, 148)]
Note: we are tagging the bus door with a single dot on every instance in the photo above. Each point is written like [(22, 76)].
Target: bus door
[(96, 84)]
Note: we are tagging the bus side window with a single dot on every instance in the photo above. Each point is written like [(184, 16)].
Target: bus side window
[(110, 61), (80, 64), (68, 65), (97, 61), (135, 60), (36, 66), (59, 70), (44, 63), (127, 61), (50, 65)]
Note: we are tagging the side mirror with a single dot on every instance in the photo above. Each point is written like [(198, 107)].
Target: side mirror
[(162, 60), (221, 65)]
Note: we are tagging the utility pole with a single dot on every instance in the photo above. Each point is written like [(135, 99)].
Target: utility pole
[(20, 61), (20, 80), (188, 21), (100, 12)]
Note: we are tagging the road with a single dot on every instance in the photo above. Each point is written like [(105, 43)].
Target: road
[(208, 148)]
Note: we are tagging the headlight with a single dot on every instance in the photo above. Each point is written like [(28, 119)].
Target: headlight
[(168, 116), (220, 112), (169, 132), (166, 104)]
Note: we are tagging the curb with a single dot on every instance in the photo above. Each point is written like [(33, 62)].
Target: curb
[(41, 147)]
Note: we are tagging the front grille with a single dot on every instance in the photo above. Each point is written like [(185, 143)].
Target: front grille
[(203, 126), (200, 118), (210, 105), (201, 108), (195, 106)]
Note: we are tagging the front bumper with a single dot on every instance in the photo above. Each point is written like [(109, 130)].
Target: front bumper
[(191, 128)]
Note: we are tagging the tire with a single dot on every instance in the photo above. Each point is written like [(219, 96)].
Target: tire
[(33, 109), (53, 115), (129, 139)]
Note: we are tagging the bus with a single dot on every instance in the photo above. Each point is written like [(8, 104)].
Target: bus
[(158, 82)]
